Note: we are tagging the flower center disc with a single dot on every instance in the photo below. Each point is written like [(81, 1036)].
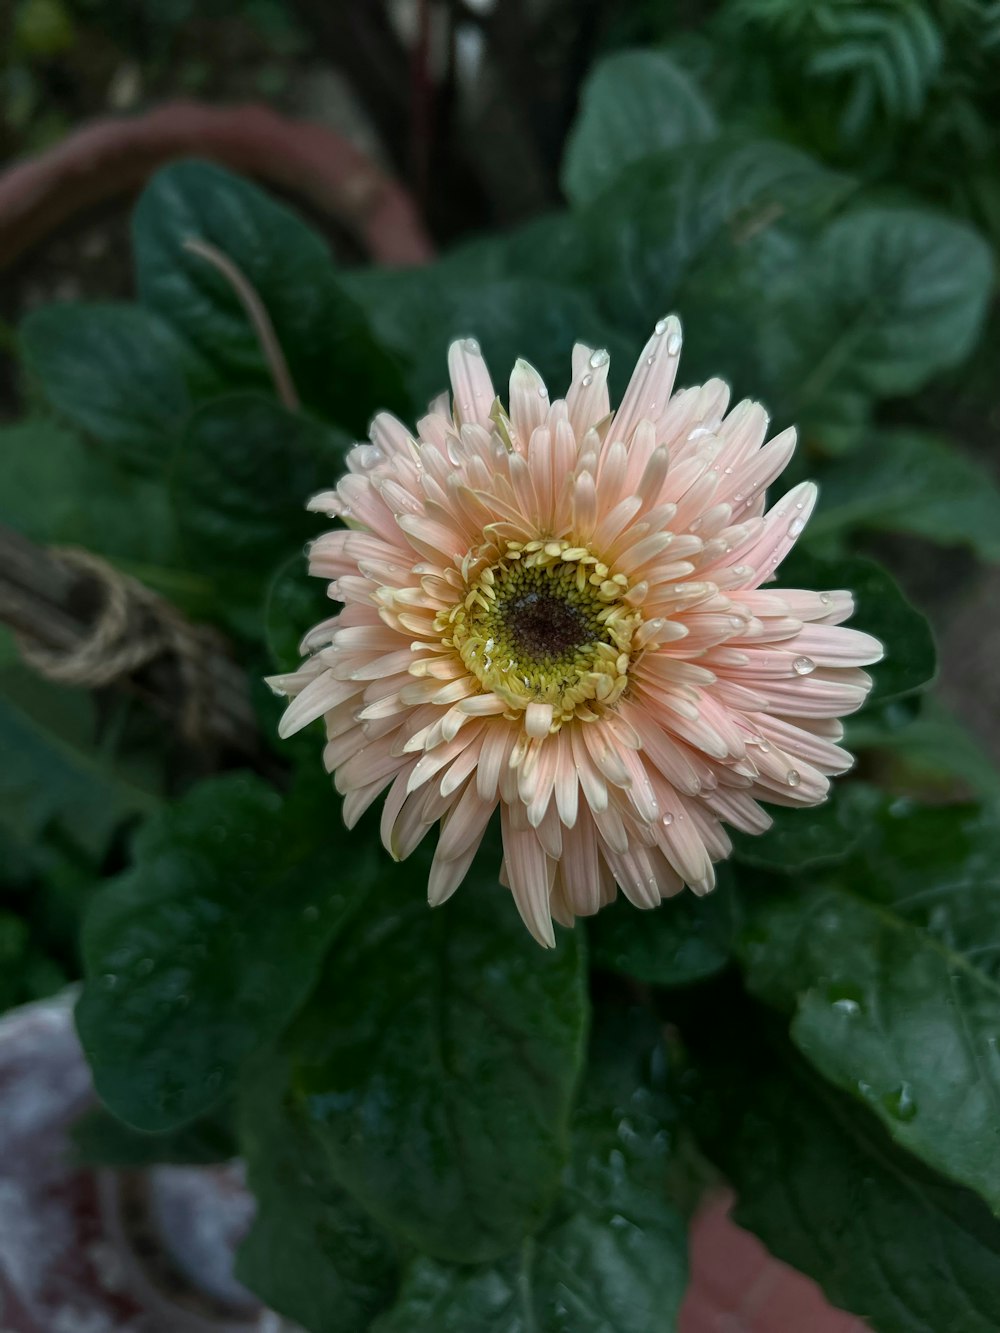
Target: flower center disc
[(546, 623)]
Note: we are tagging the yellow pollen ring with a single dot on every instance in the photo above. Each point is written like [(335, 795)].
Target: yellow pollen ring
[(545, 623)]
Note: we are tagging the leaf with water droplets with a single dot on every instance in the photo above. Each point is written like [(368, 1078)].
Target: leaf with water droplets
[(889, 965), (827, 1191), (204, 949), (612, 1256)]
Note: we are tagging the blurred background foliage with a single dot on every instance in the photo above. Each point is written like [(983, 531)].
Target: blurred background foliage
[(815, 189)]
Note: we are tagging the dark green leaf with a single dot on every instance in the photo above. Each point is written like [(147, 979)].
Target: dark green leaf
[(101, 1140), (883, 301), (800, 839), (613, 1257), (116, 372), (312, 1253), (336, 366), (667, 213), (927, 753), (57, 770), (46, 469), (683, 940), (826, 1191), (904, 481), (634, 103), (420, 312), (244, 472), (204, 949), (449, 1041), (910, 661), (888, 965)]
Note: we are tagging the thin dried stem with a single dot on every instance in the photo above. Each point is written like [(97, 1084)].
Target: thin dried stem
[(257, 314)]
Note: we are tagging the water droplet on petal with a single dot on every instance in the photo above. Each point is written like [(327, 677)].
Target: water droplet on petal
[(795, 527), (673, 344), (472, 347), (542, 391), (668, 819), (824, 597), (454, 455), (792, 777), (599, 358), (660, 327), (650, 360), (802, 666), (587, 380)]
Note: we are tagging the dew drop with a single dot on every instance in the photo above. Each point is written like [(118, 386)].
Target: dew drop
[(472, 347), (849, 1007), (598, 359), (824, 597), (542, 391), (802, 666), (587, 380), (660, 327), (668, 819), (454, 456), (673, 344), (728, 471), (900, 1104), (792, 777), (795, 527)]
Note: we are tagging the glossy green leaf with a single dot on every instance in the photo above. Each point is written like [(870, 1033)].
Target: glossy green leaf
[(881, 609), (57, 769), (613, 1257), (337, 367), (683, 940), (114, 371), (245, 469), (633, 104), (906, 481), (888, 966), (203, 950), (885, 299), (450, 1041), (312, 1253), (827, 1191)]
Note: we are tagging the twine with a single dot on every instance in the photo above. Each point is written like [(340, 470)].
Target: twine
[(133, 626)]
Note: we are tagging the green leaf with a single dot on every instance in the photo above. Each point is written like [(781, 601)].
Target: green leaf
[(802, 839), (101, 1140), (694, 206), (312, 1253), (927, 753), (910, 662), (45, 469), (633, 104), (885, 299), (337, 367), (203, 950), (419, 312), (58, 771), (613, 1257), (889, 966), (449, 1041), (683, 940), (244, 472), (825, 1189), (906, 481), (116, 372)]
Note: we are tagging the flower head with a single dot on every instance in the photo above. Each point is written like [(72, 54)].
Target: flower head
[(559, 611)]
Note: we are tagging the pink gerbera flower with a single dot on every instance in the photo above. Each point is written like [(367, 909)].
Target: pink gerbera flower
[(558, 610)]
